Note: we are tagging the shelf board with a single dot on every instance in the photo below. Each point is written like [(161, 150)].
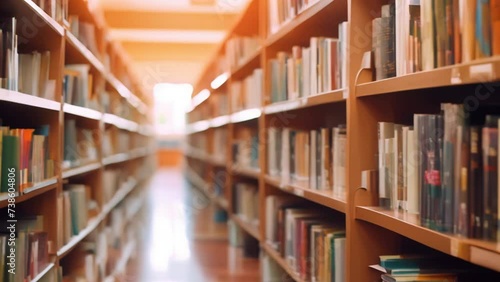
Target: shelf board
[(126, 93), (222, 202), (80, 170), (195, 179), (81, 112), (288, 28), (247, 66), (478, 71), (306, 102), (220, 121), (44, 271), (85, 52), (281, 261), (219, 162), (30, 192), (322, 197), (49, 21), (120, 122), (249, 228), (28, 100), (246, 171), (146, 130), (196, 154), (115, 159), (198, 126), (94, 222), (138, 153), (122, 262), (246, 115)]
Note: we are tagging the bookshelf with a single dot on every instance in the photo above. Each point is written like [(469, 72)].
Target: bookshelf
[(116, 101), (361, 104)]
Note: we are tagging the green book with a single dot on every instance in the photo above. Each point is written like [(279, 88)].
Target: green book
[(10, 162)]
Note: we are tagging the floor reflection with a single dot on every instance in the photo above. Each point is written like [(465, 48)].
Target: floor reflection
[(182, 242)]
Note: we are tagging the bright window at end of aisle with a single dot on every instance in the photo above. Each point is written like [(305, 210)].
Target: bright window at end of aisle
[(171, 102)]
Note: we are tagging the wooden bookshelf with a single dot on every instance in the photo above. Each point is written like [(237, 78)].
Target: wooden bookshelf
[(249, 228), (20, 110), (371, 231)]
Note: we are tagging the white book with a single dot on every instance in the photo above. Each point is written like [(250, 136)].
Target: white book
[(313, 66), (385, 130), (412, 173), (339, 247), (313, 170), (285, 156), (306, 71)]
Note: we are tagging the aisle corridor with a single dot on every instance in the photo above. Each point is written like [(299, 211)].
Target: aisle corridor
[(182, 242)]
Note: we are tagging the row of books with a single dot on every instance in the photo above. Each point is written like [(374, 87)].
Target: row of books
[(444, 167), (86, 34), (56, 9), (429, 267), (199, 142), (24, 157), (247, 94), (245, 151), (312, 245), (220, 104), (246, 202), (220, 143), (79, 87), (32, 249), (80, 145), (315, 158), (78, 207), (412, 36), (283, 11), (239, 49), (115, 141), (307, 71)]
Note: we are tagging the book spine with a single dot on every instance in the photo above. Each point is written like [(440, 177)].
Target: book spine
[(490, 143), (495, 26), (475, 180), (483, 29)]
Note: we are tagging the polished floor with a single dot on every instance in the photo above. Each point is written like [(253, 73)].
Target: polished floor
[(182, 242)]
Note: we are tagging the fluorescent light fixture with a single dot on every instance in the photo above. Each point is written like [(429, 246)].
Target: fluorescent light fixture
[(218, 81), (200, 98)]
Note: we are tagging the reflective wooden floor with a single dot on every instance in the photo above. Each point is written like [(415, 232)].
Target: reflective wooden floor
[(182, 242)]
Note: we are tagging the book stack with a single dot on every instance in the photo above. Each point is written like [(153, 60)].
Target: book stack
[(9, 58), (53, 8), (246, 202), (433, 34), (239, 49), (220, 143), (312, 245), (307, 71), (444, 167), (25, 156), (220, 104), (83, 264), (86, 34), (429, 267), (77, 205), (314, 158), (247, 94), (79, 145), (78, 85), (246, 150), (34, 71), (283, 11), (31, 249)]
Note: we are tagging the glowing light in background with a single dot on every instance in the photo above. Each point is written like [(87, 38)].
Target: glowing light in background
[(171, 103), (218, 81)]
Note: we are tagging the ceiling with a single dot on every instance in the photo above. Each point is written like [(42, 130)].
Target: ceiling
[(169, 40)]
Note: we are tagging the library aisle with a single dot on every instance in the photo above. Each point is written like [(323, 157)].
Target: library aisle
[(182, 242)]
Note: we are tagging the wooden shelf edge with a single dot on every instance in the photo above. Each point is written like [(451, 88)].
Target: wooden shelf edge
[(28, 100), (334, 96), (299, 19), (116, 159), (253, 58), (120, 122), (198, 126), (85, 52), (477, 71), (222, 202), (246, 115), (220, 121), (318, 196), (122, 262), (42, 273), (80, 170), (59, 29), (81, 112), (281, 261), (248, 227), (246, 171), (94, 222)]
